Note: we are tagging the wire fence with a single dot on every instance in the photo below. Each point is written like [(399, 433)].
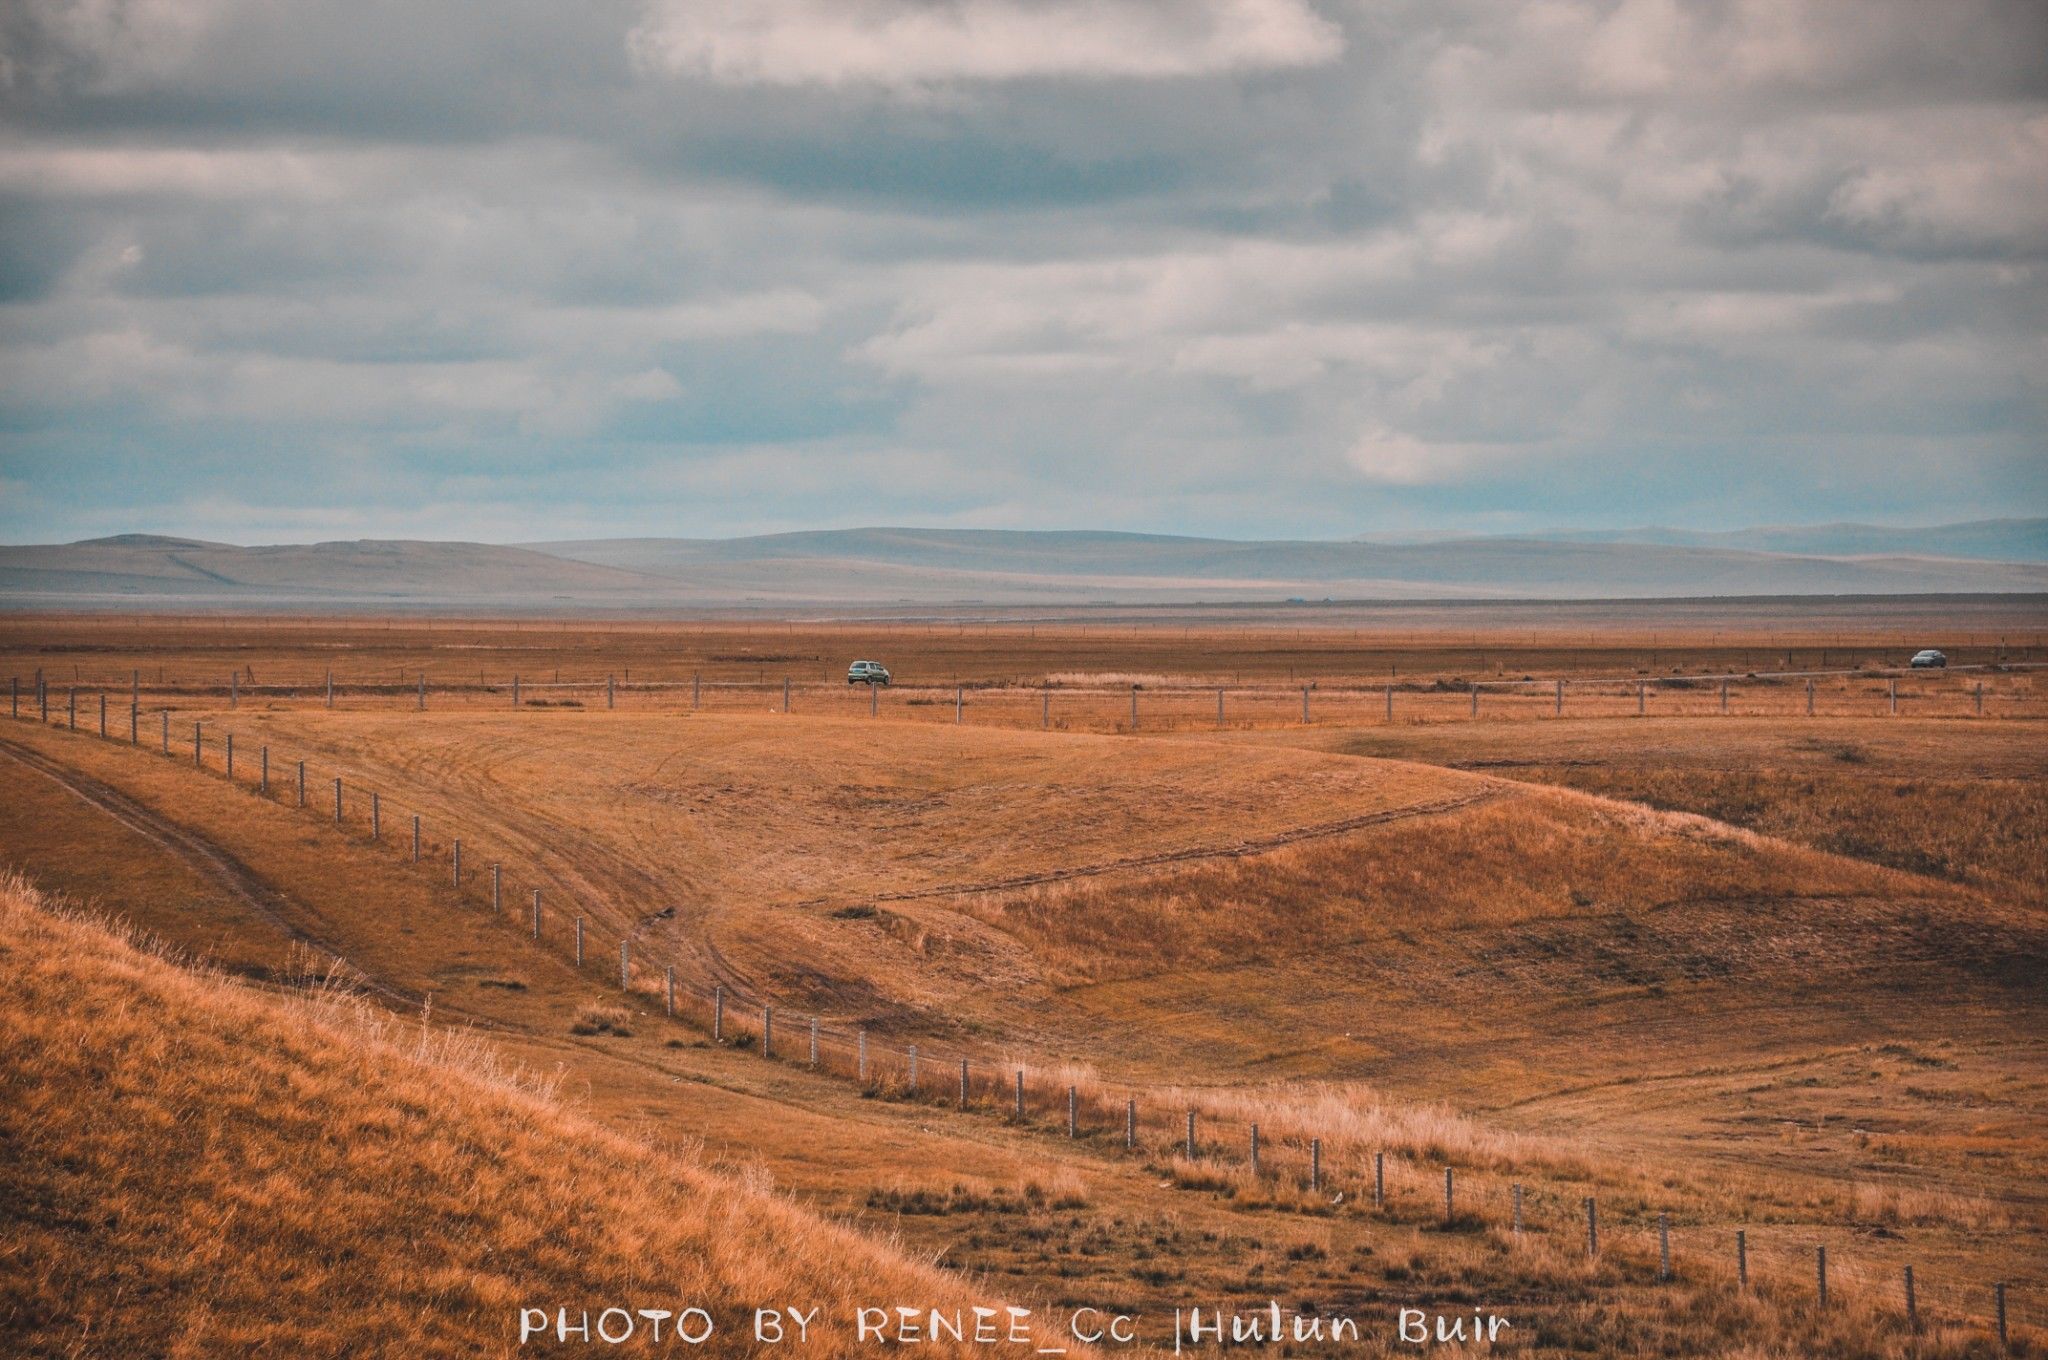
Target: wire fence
[(1199, 1142), (1993, 691)]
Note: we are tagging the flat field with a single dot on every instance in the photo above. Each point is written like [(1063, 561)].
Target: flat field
[(1756, 971)]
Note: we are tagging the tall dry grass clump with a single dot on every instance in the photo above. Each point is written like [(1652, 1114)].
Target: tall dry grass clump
[(195, 1168)]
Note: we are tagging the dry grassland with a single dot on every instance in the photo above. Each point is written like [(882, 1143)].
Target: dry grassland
[(1761, 973)]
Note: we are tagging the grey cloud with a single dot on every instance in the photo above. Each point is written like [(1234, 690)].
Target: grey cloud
[(1583, 261)]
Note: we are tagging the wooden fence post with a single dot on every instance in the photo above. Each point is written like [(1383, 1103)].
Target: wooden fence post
[(1558, 710), (1998, 1292), (814, 1041), (1045, 709), (1315, 1164), (611, 696), (135, 707), (71, 707), (515, 691), (785, 694), (330, 689), (1379, 1179), (1130, 1122), (579, 942), (263, 769), (670, 988), (376, 816), (963, 1083), (1724, 696), (423, 691), (1255, 1149), (718, 1022), (302, 783), (1304, 705), (230, 758), (196, 764), (497, 900), (696, 689), (1742, 1258), (1809, 697), (1134, 708), (1073, 1112), (1892, 694), (337, 803), (625, 968), (416, 842), (1020, 1093), (1518, 1208), (1820, 1272), (536, 913), (767, 1031), (1390, 703), (1980, 698), (1642, 697), (874, 699), (863, 1042), (1663, 1246), (1450, 1203), (1912, 1304), (103, 716), (1475, 701), (234, 689), (1219, 705), (913, 1069)]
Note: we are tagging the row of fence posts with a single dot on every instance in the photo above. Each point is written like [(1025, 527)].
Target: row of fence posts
[(1192, 1150), (959, 699)]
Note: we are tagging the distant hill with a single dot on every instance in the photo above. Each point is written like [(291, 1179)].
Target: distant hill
[(885, 566), (1989, 540)]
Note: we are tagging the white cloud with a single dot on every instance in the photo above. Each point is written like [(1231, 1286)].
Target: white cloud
[(910, 43)]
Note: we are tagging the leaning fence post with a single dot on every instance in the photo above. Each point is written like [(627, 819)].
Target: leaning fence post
[(1742, 1258), (1663, 1246), (1073, 1112), (1592, 1227)]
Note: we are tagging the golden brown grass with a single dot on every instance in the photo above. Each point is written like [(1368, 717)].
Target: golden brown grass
[(194, 1168)]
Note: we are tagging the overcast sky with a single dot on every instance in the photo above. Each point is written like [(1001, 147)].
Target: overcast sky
[(517, 269)]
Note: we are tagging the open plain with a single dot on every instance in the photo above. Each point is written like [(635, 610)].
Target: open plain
[(1125, 965)]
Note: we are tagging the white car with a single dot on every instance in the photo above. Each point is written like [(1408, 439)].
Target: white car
[(867, 673), (1930, 658)]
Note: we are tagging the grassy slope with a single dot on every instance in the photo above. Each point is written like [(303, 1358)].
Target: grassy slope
[(189, 1167)]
